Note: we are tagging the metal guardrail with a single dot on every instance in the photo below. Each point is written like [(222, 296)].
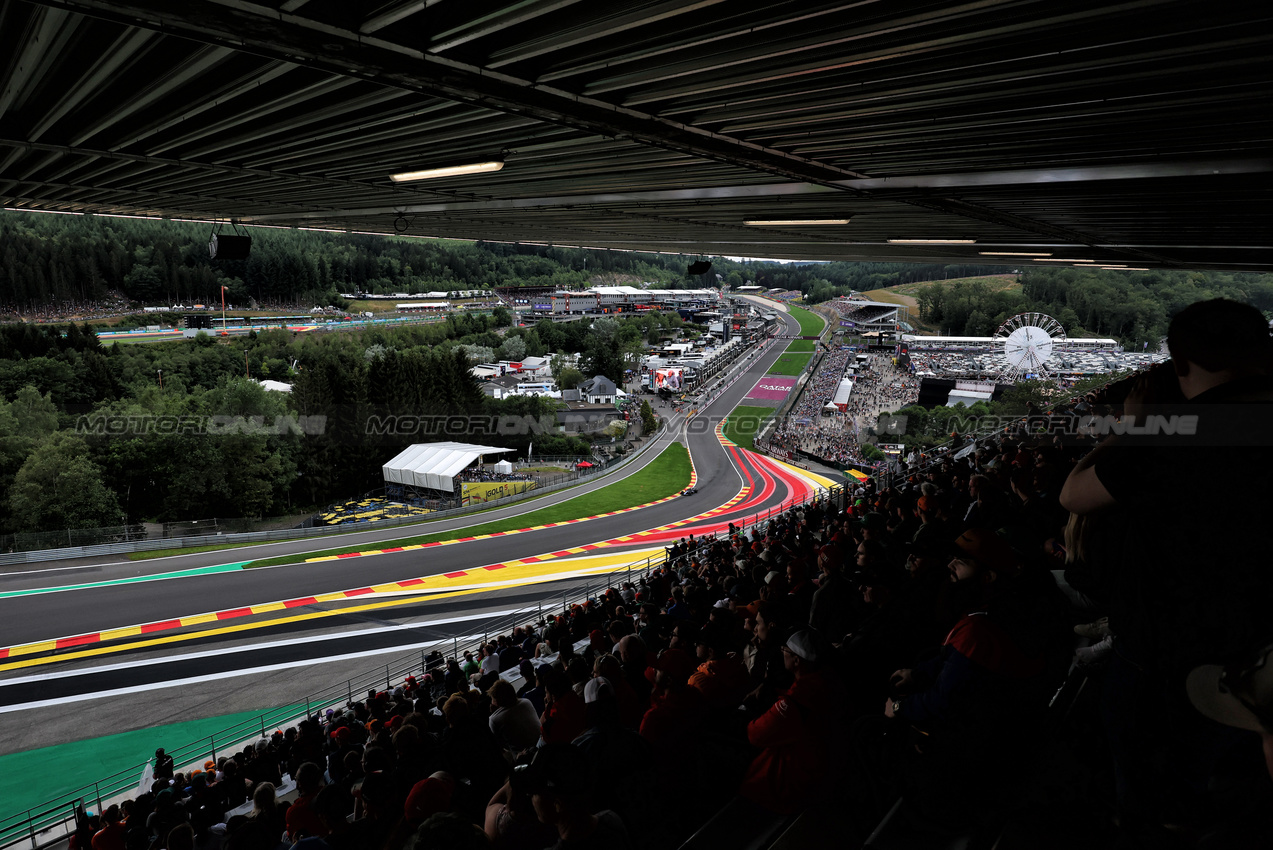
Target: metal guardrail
[(49, 824), (151, 545)]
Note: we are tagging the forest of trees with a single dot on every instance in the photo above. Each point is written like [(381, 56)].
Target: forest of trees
[(1132, 307), (55, 258), (89, 436)]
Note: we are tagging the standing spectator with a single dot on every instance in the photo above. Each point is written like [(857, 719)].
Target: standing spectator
[(163, 764), (1191, 585)]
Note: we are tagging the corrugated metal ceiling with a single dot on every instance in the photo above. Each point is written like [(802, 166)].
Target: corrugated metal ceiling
[(1135, 133)]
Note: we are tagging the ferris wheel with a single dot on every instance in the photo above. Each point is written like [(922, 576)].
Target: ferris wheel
[(1028, 341)]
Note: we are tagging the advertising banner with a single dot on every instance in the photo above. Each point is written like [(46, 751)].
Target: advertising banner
[(477, 492)]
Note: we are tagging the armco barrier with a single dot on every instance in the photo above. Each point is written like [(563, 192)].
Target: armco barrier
[(50, 824)]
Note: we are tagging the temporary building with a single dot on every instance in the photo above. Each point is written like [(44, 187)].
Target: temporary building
[(504, 468), (433, 466)]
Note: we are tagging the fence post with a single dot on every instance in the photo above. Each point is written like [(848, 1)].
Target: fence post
[(262, 719), (212, 745), (307, 711), (388, 682), (349, 688), (98, 793)]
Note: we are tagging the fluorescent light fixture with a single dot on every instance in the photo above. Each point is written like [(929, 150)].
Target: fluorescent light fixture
[(933, 241), (1124, 268), (267, 226), (1067, 260), (792, 222), (447, 171), (121, 215), (51, 212), (322, 230), (1015, 253)]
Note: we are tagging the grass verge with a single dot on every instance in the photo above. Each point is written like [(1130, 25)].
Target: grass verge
[(790, 364), (811, 324), (801, 345), (745, 422), (667, 474)]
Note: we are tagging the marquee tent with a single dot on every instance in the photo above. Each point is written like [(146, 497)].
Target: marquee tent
[(433, 466), (504, 468)]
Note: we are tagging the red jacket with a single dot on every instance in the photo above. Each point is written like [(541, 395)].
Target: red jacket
[(798, 737), (564, 720), (672, 716)]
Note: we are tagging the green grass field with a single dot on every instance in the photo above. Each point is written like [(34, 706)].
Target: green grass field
[(801, 345), (667, 474), (744, 423), (811, 324), (790, 364)]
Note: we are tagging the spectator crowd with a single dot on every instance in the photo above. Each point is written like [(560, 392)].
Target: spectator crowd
[(878, 387), (911, 644)]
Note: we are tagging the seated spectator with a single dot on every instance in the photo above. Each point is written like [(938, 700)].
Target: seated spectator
[(563, 717), (721, 676), (957, 718), (170, 812), (675, 708), (334, 805), (468, 750), (532, 688), (429, 797), (620, 761), (111, 835), (514, 721), (510, 820), (798, 736), (448, 830), (302, 820), (559, 783), (264, 827), (630, 707), (767, 672)]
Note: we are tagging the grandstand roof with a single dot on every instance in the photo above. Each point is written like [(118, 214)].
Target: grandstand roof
[(433, 466), (1116, 132)]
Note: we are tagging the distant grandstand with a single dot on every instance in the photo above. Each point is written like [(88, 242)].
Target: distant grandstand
[(858, 315)]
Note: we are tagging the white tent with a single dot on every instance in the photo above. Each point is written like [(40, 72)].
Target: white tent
[(504, 468), (433, 466), (276, 386)]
